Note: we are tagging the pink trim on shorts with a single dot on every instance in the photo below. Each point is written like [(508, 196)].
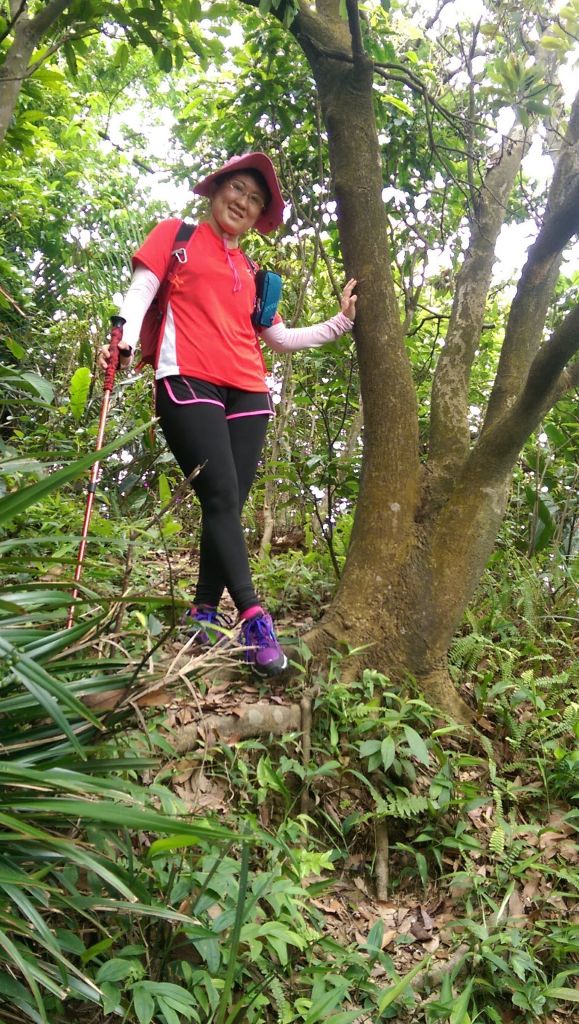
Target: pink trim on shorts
[(190, 401), (256, 412)]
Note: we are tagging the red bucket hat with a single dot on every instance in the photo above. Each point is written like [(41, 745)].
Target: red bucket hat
[(272, 215)]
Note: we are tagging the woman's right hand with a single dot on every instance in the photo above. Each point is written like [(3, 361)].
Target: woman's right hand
[(348, 299), (125, 357)]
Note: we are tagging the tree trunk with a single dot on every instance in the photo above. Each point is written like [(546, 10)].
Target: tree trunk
[(28, 32), (423, 535)]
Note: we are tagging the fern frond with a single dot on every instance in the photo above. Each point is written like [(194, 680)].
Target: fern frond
[(281, 1004), (497, 840), (571, 716), (467, 650), (514, 853), (518, 731), (514, 767), (499, 817), (401, 806)]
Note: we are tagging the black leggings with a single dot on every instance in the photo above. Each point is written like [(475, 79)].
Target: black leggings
[(205, 432)]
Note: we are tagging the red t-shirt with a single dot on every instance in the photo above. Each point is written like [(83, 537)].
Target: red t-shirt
[(207, 331)]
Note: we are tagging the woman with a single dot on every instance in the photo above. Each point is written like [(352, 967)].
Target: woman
[(211, 396)]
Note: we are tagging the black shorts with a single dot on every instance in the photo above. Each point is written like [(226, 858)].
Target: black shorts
[(191, 391)]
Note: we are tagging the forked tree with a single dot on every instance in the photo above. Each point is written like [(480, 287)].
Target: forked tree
[(425, 526)]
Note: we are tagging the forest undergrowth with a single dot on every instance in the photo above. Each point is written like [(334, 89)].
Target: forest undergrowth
[(374, 862)]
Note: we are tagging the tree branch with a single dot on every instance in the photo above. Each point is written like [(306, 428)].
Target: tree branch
[(547, 381), (449, 431), (535, 289), (355, 30), (12, 301), (543, 386), (398, 73), (47, 16), (16, 10)]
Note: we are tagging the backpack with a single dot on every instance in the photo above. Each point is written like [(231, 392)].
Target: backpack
[(268, 288)]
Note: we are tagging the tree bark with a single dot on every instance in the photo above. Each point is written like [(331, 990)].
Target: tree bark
[(28, 33)]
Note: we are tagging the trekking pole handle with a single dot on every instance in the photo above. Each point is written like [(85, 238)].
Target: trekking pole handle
[(118, 323)]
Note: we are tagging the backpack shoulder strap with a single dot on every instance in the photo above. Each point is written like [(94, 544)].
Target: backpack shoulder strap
[(179, 252), (178, 256), (185, 231)]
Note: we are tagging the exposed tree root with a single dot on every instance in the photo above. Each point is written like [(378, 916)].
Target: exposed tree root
[(438, 688), (249, 720)]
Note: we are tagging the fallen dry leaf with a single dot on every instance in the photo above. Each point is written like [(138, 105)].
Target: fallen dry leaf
[(329, 906), (423, 926), (516, 911), (432, 945)]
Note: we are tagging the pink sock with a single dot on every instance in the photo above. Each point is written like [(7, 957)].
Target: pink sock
[(250, 613)]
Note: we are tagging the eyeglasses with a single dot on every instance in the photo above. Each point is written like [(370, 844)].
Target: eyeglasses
[(254, 199)]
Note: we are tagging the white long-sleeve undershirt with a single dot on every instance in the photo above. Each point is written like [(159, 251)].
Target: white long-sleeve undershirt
[(145, 285), (142, 290)]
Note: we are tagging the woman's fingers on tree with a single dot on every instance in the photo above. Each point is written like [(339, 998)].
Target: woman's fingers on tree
[(349, 299)]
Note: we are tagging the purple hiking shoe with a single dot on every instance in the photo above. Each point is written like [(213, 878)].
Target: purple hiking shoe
[(262, 648), (206, 626)]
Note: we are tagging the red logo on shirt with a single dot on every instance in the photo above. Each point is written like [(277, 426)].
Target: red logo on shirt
[(177, 281)]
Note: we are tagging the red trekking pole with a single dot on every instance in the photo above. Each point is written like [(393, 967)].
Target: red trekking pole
[(109, 382)]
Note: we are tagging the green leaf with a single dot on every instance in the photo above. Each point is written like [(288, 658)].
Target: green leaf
[(417, 745), (122, 56), (164, 59), (111, 998), (459, 1014), (388, 752), (78, 391), (554, 43), (25, 970), (399, 988), (394, 101), (49, 693), (235, 936), (120, 816), (328, 1001), (37, 383), (164, 490), (375, 936), (569, 994), (369, 747), (143, 1003), (114, 970), (168, 1012), (15, 348)]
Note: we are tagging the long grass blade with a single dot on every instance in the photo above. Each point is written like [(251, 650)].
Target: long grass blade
[(17, 502), (235, 936)]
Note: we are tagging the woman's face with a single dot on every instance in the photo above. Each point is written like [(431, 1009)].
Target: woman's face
[(237, 204)]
